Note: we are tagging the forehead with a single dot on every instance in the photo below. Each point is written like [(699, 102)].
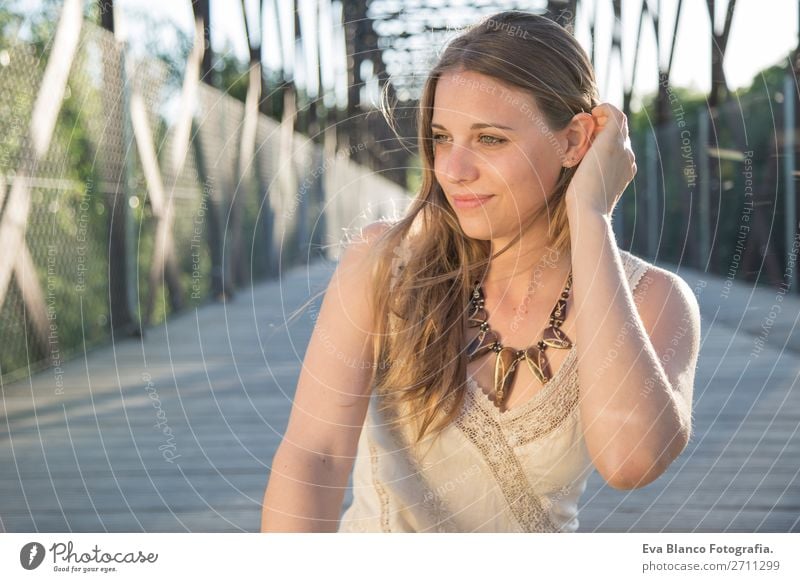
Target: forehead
[(467, 97)]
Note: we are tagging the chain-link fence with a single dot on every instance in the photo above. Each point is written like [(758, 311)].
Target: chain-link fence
[(715, 189), (109, 222)]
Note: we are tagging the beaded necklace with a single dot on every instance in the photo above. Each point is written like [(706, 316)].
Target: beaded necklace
[(507, 358)]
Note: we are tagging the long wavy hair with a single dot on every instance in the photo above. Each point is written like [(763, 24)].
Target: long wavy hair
[(420, 310)]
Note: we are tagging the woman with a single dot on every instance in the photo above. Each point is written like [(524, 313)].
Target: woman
[(495, 344)]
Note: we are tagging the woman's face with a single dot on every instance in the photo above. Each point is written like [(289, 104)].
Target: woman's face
[(493, 148)]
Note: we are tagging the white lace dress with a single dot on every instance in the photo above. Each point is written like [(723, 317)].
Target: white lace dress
[(489, 471)]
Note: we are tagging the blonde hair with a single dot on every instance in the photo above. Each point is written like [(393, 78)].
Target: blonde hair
[(419, 348)]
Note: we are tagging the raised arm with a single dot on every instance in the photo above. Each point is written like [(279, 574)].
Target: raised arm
[(312, 464)]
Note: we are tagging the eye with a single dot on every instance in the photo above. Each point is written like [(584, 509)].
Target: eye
[(493, 140), (439, 138)]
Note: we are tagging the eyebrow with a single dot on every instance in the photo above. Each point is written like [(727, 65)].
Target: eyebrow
[(477, 126)]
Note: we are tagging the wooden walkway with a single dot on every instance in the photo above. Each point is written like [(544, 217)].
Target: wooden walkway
[(177, 432)]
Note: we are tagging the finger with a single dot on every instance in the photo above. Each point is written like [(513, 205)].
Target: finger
[(604, 106), (609, 109), (610, 112), (601, 121)]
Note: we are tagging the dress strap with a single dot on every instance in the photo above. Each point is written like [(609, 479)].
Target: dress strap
[(635, 268)]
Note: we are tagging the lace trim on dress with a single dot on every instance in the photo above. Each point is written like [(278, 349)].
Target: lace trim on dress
[(544, 412), (543, 419), (379, 489), (635, 268), (486, 434)]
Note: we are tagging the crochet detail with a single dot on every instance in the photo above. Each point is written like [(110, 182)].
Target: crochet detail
[(485, 432), (542, 414), (379, 488), (542, 420), (635, 268)]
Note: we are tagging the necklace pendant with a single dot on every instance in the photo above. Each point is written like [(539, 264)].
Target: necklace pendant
[(482, 344), (560, 309), (477, 317), (507, 358), (555, 338), (505, 366), (537, 362)]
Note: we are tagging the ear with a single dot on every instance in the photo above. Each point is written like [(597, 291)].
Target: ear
[(578, 137)]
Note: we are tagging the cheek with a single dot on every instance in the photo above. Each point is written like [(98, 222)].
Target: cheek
[(437, 167), (439, 164), (544, 150), (539, 170), (529, 184)]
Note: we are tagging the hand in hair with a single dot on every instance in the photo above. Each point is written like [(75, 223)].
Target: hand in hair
[(609, 164)]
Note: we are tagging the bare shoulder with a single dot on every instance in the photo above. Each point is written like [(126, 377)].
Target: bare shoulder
[(362, 245), (671, 316), (663, 294), (360, 249), (370, 234), (331, 398)]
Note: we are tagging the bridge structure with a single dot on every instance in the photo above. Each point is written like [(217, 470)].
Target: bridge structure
[(155, 231)]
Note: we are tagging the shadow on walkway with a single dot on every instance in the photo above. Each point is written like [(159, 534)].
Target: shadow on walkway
[(176, 432)]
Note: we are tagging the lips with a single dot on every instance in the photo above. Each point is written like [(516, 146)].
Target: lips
[(471, 200)]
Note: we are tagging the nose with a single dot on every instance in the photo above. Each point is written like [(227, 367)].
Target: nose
[(460, 164)]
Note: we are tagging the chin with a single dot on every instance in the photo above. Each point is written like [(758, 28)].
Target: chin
[(476, 228)]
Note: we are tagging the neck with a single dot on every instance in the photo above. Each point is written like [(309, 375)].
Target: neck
[(530, 251), (529, 263)]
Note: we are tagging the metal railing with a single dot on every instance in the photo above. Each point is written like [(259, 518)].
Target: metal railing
[(715, 189), (125, 197)]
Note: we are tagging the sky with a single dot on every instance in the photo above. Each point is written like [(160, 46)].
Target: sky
[(762, 33)]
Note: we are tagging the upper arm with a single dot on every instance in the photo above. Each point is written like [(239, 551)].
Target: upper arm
[(671, 317), (333, 389)]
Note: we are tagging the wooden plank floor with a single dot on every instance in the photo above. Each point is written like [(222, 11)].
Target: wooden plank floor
[(220, 381)]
